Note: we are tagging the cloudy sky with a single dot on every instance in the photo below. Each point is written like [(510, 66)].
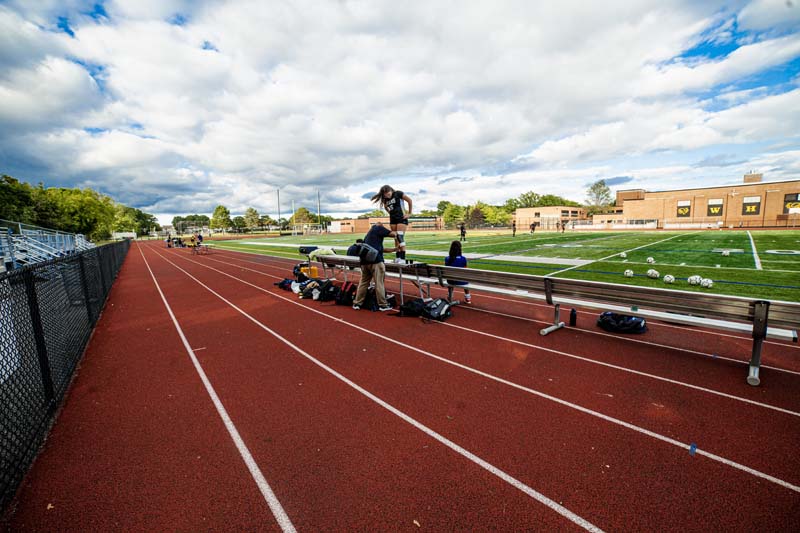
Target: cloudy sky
[(175, 106)]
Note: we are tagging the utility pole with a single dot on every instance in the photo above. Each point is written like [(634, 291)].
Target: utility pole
[(319, 212), (279, 210)]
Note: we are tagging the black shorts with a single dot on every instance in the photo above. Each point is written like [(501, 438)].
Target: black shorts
[(398, 220)]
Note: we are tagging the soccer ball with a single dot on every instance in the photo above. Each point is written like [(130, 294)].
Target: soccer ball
[(706, 283), (726, 253), (694, 280), (628, 273), (669, 278), (623, 255), (652, 273), (651, 260)]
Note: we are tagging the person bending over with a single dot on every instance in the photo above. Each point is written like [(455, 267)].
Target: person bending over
[(374, 270), (392, 201)]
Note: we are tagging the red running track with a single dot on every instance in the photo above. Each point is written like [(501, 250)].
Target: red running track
[(328, 419)]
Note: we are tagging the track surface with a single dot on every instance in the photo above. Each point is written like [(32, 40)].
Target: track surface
[(241, 408)]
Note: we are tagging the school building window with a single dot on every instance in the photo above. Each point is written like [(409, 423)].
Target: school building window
[(751, 205), (791, 203), (714, 208)]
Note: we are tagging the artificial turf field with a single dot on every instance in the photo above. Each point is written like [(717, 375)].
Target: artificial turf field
[(760, 264)]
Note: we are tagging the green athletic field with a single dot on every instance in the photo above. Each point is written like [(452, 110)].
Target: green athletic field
[(760, 264)]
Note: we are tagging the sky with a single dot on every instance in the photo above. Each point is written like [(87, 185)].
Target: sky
[(177, 106)]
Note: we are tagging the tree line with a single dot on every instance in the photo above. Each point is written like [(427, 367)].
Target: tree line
[(82, 211), (97, 215)]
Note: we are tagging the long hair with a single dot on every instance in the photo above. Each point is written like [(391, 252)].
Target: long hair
[(379, 196), (455, 250)]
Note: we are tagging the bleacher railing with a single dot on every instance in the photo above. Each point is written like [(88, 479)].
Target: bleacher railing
[(23, 244), (47, 313)]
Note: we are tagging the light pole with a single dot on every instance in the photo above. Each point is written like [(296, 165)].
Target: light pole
[(279, 210)]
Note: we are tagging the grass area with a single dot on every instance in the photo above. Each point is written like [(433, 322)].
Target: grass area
[(679, 253)]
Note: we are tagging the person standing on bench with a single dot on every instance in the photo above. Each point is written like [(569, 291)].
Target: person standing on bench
[(455, 259), (374, 270), (392, 201)]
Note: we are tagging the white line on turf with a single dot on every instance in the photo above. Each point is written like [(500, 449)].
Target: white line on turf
[(266, 491), (755, 252), (565, 403), (541, 498), (631, 250)]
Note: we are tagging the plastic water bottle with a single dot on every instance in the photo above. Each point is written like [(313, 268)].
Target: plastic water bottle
[(573, 317)]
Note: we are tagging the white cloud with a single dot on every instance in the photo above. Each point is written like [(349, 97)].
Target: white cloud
[(241, 97), (770, 15)]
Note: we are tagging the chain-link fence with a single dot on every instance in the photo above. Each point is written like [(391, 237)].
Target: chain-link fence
[(47, 312)]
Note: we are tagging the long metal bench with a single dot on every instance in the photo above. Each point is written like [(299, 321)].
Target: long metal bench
[(761, 319)]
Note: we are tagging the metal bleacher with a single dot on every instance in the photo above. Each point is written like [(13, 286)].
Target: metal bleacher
[(761, 319), (25, 244)]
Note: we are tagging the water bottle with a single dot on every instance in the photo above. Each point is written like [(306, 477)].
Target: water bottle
[(573, 317)]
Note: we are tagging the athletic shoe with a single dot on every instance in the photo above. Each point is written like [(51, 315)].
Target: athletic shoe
[(356, 307), (467, 300), (385, 308)]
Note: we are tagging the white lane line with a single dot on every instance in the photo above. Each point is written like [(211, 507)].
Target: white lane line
[(585, 410), (755, 252), (266, 491), (616, 254), (541, 498), (277, 263), (629, 370), (591, 332)]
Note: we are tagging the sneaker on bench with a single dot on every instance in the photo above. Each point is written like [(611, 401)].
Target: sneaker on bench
[(385, 307)]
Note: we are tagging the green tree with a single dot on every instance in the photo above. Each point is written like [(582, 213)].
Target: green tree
[(428, 213), (251, 218), (453, 214), (442, 206), (266, 220), (598, 197), (511, 205), (302, 216), (221, 219), (528, 199), (552, 199), (474, 216), (16, 202), (239, 223)]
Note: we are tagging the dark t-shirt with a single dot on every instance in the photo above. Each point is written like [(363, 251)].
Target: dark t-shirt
[(394, 205), (353, 249), (374, 238)]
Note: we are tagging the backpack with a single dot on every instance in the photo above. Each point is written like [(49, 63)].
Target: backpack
[(617, 323), (327, 291), (346, 294), (285, 284), (413, 307), (367, 253), (437, 309), (308, 290), (301, 277)]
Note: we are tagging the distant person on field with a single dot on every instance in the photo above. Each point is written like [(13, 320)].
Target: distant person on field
[(463, 229), (455, 259), (513, 228), (374, 271), (533, 227), (392, 201)]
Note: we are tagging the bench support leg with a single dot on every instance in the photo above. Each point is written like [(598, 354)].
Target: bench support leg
[(759, 334), (557, 324)]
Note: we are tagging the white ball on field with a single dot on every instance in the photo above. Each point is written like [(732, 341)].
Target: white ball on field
[(628, 273), (651, 260), (706, 283), (669, 278), (652, 273), (726, 253), (623, 255), (694, 280)]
